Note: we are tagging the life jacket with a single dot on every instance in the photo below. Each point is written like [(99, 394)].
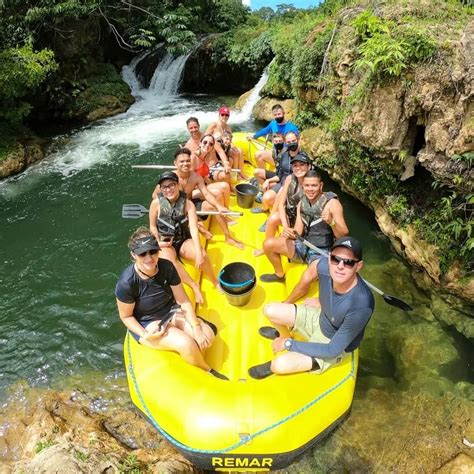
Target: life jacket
[(317, 233), (295, 193), (203, 168), (173, 219), (283, 166)]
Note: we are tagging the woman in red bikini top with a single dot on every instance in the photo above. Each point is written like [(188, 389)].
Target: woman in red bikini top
[(203, 153)]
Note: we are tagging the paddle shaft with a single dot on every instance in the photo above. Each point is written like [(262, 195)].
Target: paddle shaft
[(171, 167), (268, 147)]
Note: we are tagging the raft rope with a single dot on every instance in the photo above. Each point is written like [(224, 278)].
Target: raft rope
[(243, 440)]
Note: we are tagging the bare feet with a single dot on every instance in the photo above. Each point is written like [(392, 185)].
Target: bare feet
[(258, 252), (207, 235), (231, 241), (197, 294)]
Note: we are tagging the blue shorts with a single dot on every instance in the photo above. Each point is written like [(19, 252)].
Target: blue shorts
[(304, 254)]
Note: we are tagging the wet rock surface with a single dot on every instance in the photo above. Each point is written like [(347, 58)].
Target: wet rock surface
[(47, 432)]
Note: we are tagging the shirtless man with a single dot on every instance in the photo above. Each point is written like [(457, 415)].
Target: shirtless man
[(189, 181)]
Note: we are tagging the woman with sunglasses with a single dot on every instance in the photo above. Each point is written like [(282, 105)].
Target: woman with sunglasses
[(154, 307), (331, 330), (204, 157), (219, 130)]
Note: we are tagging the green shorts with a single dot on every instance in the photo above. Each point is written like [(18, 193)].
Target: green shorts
[(307, 325)]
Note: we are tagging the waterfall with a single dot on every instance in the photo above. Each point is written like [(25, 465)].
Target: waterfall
[(129, 76), (168, 74), (254, 96), (165, 80)]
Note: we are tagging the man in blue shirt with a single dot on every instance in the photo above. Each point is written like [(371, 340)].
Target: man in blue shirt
[(277, 125), (332, 330)]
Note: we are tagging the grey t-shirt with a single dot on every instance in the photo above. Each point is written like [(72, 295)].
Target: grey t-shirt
[(343, 317)]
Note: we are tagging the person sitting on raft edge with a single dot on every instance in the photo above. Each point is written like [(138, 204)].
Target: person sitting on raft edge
[(331, 330), (154, 307)]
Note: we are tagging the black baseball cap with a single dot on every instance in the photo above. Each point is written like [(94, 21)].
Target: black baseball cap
[(301, 157), (143, 244), (350, 243), (169, 175)]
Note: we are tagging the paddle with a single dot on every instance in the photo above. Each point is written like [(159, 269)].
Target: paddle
[(268, 147), (171, 167), (391, 300), (134, 211)]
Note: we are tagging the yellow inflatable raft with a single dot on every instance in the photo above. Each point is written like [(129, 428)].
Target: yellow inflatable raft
[(241, 424)]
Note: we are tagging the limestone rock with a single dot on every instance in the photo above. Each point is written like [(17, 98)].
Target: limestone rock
[(24, 154), (461, 464), (263, 108)]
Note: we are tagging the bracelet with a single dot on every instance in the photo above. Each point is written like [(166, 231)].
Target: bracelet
[(333, 223)]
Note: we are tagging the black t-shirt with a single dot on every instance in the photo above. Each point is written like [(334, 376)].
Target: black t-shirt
[(153, 298)]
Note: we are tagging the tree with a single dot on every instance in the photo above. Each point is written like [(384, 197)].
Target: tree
[(266, 13)]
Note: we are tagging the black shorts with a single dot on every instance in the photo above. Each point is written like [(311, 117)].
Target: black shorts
[(169, 315), (198, 205), (269, 174)]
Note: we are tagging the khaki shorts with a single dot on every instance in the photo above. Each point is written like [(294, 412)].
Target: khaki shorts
[(307, 326)]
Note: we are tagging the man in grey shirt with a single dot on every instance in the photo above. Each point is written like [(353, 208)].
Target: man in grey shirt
[(332, 330)]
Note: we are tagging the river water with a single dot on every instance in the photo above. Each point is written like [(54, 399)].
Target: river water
[(63, 244)]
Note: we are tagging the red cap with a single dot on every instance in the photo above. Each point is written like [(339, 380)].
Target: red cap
[(224, 110)]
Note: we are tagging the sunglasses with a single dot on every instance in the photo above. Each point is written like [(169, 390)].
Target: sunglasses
[(168, 186), (348, 262), (147, 252), (205, 142), (225, 115)]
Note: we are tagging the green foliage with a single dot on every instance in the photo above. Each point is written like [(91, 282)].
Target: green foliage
[(173, 27), (228, 14), (367, 25), (41, 445), (399, 208), (130, 465), (387, 49), (143, 38), (307, 64), (81, 456), (22, 70)]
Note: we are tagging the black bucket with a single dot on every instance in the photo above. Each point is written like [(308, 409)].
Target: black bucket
[(237, 278), (246, 195)]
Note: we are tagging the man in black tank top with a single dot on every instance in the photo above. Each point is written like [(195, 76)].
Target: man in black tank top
[(319, 219)]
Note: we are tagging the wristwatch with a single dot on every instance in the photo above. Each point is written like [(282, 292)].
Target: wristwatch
[(288, 343)]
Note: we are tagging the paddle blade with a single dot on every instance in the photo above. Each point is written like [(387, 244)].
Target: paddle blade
[(133, 211), (397, 302)]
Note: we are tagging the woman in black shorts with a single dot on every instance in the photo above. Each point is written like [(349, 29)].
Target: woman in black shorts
[(154, 307)]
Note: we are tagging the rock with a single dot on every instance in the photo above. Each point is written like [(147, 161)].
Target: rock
[(408, 243), (239, 104), (318, 143), (26, 152), (461, 464), (263, 108)]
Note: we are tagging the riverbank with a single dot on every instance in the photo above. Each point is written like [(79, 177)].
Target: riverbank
[(78, 432)]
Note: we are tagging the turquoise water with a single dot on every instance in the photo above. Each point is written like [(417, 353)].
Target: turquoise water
[(63, 244)]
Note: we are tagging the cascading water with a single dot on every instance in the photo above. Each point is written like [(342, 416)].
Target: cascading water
[(167, 76)]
